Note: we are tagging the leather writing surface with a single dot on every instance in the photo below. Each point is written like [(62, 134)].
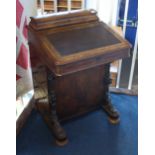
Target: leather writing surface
[(77, 40)]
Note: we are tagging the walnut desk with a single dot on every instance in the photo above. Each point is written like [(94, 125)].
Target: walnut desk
[(77, 50)]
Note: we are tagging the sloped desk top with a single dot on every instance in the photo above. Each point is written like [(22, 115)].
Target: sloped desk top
[(75, 41)]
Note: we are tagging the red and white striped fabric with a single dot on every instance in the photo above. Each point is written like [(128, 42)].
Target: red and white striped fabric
[(23, 69)]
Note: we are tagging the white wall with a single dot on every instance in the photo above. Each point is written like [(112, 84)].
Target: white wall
[(30, 7), (107, 9)]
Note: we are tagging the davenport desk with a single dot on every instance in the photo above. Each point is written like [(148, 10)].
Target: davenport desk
[(72, 52)]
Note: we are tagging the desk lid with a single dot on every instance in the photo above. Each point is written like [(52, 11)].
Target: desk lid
[(75, 41)]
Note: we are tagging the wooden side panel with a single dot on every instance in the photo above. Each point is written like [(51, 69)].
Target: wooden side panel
[(79, 92)]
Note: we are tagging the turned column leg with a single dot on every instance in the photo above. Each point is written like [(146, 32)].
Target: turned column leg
[(107, 106), (52, 119)]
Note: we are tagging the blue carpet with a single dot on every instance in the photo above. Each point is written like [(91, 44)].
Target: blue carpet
[(91, 134)]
